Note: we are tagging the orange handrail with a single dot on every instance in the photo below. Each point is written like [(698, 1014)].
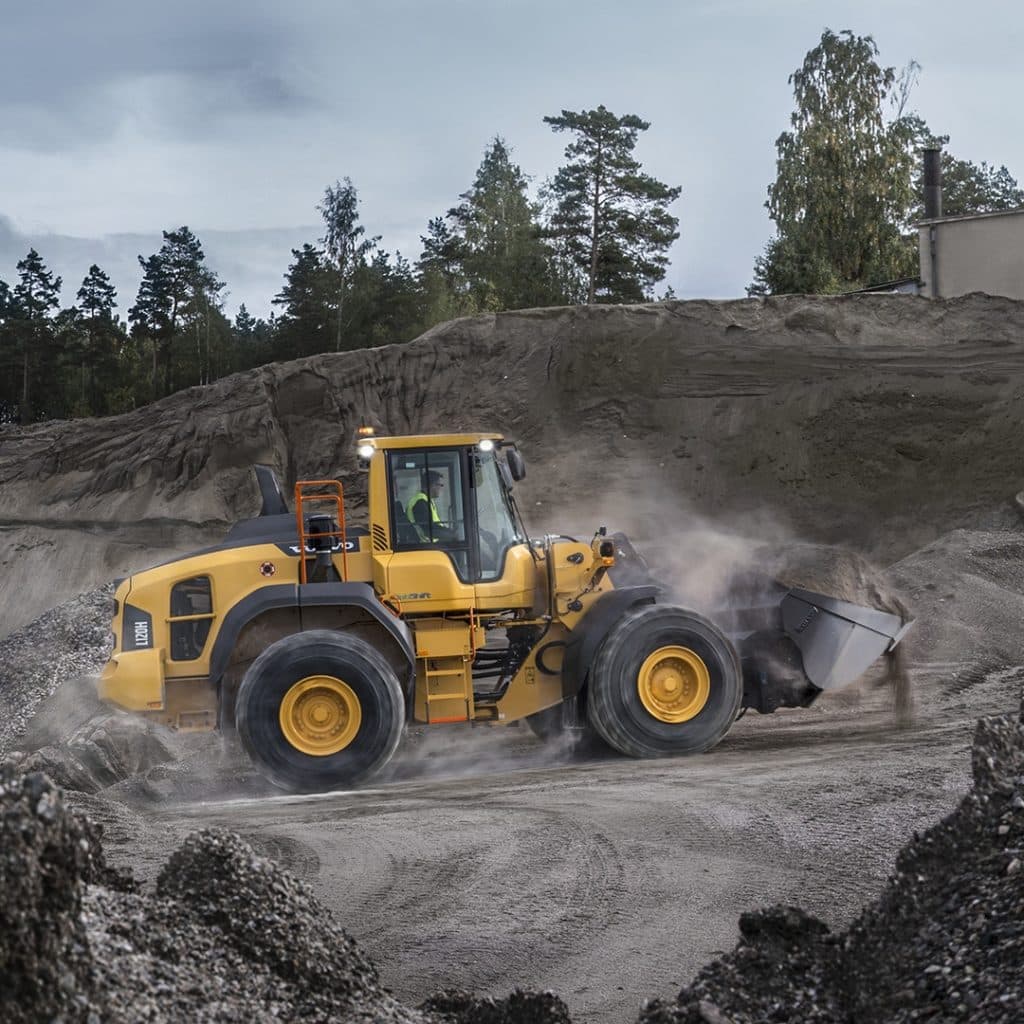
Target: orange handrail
[(337, 499)]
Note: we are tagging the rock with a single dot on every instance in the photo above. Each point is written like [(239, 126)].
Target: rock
[(456, 1007), (779, 927)]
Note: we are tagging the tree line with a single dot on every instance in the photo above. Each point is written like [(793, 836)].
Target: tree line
[(847, 193), (599, 232)]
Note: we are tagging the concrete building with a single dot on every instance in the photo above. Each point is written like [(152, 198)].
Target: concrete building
[(979, 252), (974, 252)]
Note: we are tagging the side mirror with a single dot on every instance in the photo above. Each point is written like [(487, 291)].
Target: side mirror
[(516, 465)]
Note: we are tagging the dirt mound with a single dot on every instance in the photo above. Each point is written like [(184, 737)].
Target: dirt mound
[(878, 421), (944, 942), (967, 589), (274, 922)]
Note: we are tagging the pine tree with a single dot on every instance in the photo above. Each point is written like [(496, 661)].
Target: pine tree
[(36, 296), (9, 356), (611, 219), (177, 297), (442, 283), (496, 238), (102, 343), (307, 323), (253, 339)]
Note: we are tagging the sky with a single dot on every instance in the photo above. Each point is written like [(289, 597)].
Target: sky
[(119, 120)]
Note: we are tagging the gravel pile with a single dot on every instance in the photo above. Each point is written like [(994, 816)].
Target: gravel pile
[(48, 857), (58, 651), (945, 942), (227, 936)]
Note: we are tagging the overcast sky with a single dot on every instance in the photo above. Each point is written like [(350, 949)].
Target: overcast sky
[(122, 118)]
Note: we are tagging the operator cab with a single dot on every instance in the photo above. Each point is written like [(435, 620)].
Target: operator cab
[(455, 500)]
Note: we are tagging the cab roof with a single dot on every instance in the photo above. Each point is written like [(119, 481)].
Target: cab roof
[(431, 440)]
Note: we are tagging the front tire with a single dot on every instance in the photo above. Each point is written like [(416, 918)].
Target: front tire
[(319, 710), (666, 681)]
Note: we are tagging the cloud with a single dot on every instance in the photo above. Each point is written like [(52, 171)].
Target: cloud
[(186, 71)]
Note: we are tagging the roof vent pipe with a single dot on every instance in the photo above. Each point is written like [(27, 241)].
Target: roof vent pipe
[(932, 182)]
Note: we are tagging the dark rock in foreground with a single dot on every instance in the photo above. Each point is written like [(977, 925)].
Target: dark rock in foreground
[(455, 1007), (47, 858), (945, 942)]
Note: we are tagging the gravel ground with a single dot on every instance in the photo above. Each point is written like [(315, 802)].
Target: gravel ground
[(228, 934)]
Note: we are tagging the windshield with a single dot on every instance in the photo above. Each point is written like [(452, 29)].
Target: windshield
[(497, 525)]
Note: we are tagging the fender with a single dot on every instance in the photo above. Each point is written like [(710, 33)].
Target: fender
[(361, 595), (587, 637)]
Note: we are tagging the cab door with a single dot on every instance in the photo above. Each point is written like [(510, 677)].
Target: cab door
[(434, 560)]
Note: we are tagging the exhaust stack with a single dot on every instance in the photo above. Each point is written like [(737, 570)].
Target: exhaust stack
[(932, 183)]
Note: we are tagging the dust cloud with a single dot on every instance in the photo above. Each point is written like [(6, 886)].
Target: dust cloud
[(714, 566)]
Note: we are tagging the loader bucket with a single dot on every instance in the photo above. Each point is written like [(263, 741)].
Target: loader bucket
[(837, 640)]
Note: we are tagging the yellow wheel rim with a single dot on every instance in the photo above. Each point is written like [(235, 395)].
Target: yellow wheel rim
[(674, 684), (320, 715)]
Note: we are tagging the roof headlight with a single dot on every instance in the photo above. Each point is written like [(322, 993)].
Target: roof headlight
[(366, 451), (486, 445)]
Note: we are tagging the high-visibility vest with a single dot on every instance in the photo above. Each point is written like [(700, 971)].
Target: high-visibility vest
[(434, 517)]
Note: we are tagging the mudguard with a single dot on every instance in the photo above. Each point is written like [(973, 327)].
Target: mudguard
[(311, 595), (588, 636)]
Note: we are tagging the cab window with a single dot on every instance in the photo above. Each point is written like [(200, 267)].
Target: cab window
[(191, 617), (495, 522), (428, 504)]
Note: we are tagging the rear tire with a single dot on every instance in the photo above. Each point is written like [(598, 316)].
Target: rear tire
[(318, 710), (666, 681)]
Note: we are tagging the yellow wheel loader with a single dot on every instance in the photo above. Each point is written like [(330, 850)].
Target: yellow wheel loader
[(319, 641)]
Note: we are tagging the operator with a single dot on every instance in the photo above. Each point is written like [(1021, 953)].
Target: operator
[(421, 510)]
